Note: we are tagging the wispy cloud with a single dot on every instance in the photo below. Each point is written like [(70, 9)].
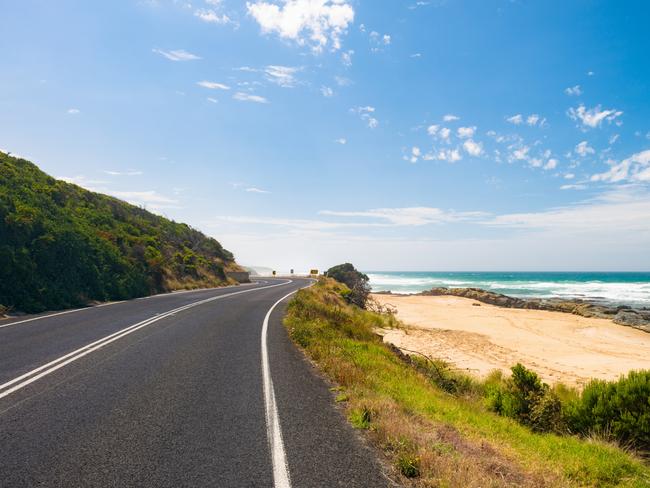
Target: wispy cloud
[(593, 117), (253, 189), (574, 91), (283, 76), (177, 55), (409, 216), (210, 16), (583, 149), (73, 111), (636, 168), (515, 119), (212, 85), (247, 97), (450, 118), (366, 114), (123, 173)]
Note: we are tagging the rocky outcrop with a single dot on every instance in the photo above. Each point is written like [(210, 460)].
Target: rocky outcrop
[(623, 315)]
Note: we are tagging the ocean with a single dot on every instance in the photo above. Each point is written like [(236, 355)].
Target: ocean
[(611, 288)]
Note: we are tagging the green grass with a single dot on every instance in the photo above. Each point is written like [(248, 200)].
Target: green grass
[(409, 417)]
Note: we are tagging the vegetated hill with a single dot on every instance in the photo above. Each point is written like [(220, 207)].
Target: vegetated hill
[(63, 246)]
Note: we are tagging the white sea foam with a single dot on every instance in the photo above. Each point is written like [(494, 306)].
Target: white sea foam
[(633, 293)]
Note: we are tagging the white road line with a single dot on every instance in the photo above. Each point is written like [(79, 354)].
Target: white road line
[(281, 478), (121, 301), (46, 369)]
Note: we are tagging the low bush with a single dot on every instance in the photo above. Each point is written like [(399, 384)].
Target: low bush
[(619, 410)]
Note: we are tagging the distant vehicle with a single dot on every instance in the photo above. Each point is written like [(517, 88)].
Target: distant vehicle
[(313, 272)]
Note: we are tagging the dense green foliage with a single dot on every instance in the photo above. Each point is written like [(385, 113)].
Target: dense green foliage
[(524, 397), (357, 283), (616, 410), (62, 246)]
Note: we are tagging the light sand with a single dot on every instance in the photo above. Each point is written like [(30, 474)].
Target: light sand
[(559, 346)]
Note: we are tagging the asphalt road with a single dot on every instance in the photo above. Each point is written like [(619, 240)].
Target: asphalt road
[(196, 389)]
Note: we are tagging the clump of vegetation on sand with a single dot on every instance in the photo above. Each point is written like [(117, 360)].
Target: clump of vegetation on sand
[(63, 246), (432, 424)]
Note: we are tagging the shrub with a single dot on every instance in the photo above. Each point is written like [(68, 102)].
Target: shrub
[(357, 282), (525, 398), (618, 409)]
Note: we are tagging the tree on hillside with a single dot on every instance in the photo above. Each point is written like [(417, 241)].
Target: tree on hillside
[(355, 280)]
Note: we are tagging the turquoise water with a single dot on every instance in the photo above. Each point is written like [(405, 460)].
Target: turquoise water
[(610, 288)]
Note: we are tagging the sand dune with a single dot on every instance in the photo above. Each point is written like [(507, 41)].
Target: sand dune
[(559, 346)]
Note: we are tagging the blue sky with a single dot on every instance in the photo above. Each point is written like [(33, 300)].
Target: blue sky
[(403, 135)]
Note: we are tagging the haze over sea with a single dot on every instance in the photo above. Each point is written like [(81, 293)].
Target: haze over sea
[(616, 288)]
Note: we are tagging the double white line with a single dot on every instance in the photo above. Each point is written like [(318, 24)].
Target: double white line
[(34, 375)]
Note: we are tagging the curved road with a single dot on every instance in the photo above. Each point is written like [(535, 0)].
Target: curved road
[(191, 389)]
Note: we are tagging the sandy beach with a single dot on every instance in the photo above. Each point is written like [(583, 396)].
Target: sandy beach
[(478, 338)]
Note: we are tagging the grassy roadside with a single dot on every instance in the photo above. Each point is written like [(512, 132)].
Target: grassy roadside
[(430, 437)]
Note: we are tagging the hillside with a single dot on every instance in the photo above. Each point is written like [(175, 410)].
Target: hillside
[(63, 246)]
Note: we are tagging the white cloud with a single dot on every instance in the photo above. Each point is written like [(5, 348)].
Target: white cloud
[(386, 39), (123, 173), (569, 176), (326, 91), (415, 55), (593, 117), (364, 114), (551, 164), (283, 76), (473, 148), (444, 133), (346, 57), (466, 132), (319, 23), (532, 119), (212, 100), (583, 149), (211, 85), (623, 210), (636, 168), (247, 97), (408, 216), (573, 187), (209, 15), (256, 190), (450, 118), (341, 140), (521, 153), (177, 55), (613, 138), (73, 111), (342, 81), (449, 155), (515, 119), (79, 180), (432, 130), (574, 90), (415, 154), (149, 198)]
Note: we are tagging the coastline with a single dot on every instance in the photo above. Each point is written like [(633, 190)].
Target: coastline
[(479, 337)]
